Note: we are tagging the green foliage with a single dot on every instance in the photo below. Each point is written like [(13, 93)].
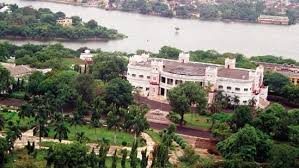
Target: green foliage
[(294, 134), (190, 158), (274, 121), (64, 156), (276, 81), (241, 116), (5, 80), (169, 52), (248, 144), (273, 59), (283, 156), (108, 66), (85, 86), (119, 93), (182, 97), (3, 149), (41, 24), (133, 155)]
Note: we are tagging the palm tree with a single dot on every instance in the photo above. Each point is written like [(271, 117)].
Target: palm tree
[(80, 137), (2, 122), (61, 131), (13, 134), (77, 119), (114, 120), (41, 129), (236, 100)]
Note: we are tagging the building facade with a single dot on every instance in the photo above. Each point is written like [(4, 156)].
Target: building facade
[(267, 19), (65, 22), (154, 77), (291, 71)]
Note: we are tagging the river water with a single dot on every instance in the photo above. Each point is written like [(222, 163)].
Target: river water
[(150, 33)]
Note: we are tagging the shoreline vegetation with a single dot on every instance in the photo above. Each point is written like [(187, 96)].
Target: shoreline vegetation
[(209, 12), (27, 23)]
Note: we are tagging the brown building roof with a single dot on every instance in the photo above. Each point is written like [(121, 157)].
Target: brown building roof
[(191, 69), (17, 70), (233, 73)]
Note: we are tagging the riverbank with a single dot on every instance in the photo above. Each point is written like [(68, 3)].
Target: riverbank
[(46, 39), (191, 17)]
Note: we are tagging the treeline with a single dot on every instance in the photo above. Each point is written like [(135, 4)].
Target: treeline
[(212, 56), (233, 10), (230, 10), (280, 85), (41, 24), (258, 138)]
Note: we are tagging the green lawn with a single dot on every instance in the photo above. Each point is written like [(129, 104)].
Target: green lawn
[(154, 135), (25, 123), (198, 121), (95, 134)]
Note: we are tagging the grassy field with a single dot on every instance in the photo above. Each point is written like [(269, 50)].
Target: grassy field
[(198, 121), (95, 134), (25, 123), (154, 135)]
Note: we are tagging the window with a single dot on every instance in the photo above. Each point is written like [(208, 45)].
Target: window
[(177, 82), (169, 81), (228, 88), (237, 89), (147, 89), (162, 91), (140, 76), (128, 74), (163, 79), (244, 102), (245, 89), (220, 87), (133, 75), (148, 77)]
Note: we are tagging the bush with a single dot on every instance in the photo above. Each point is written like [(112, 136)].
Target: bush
[(124, 143)]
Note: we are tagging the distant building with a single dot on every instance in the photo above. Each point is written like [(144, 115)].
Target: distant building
[(20, 71), (291, 71), (87, 57), (154, 77), (267, 19), (65, 22), (4, 9)]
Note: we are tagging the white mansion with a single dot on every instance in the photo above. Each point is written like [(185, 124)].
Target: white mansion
[(155, 76)]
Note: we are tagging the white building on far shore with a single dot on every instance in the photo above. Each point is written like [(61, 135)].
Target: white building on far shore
[(155, 76)]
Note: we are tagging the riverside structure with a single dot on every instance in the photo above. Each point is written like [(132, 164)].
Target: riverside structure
[(155, 76)]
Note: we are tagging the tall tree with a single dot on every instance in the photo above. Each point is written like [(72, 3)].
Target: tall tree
[(115, 119), (114, 159), (61, 131), (124, 158), (5, 80), (119, 93), (276, 81), (184, 96), (248, 144), (85, 86), (241, 116), (2, 122), (133, 155), (108, 66), (144, 159)]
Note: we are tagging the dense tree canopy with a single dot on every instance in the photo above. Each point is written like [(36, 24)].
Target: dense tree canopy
[(248, 144), (27, 22), (119, 93), (183, 96), (108, 66)]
